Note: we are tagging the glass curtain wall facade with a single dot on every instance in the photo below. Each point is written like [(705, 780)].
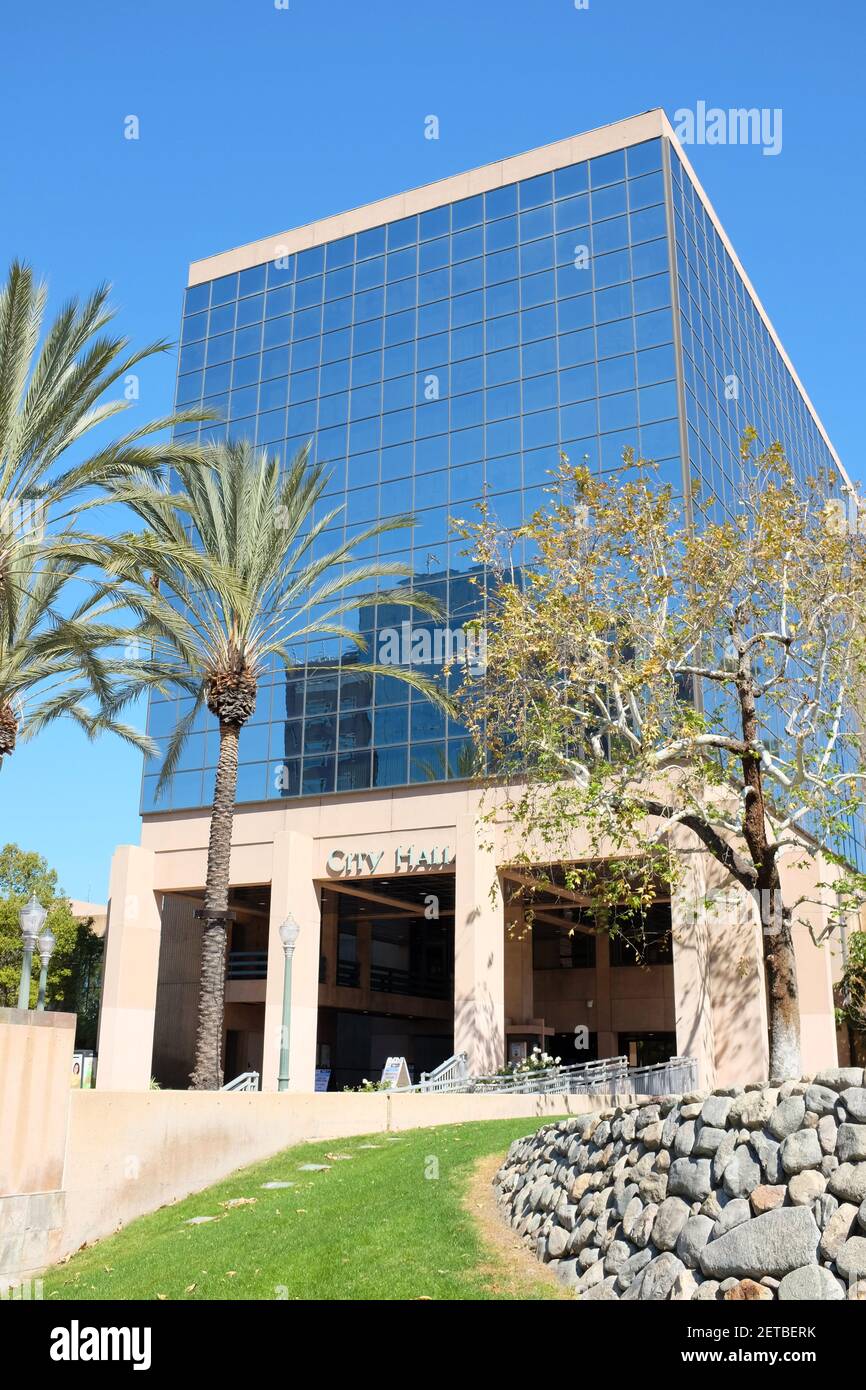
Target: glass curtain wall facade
[(451, 355)]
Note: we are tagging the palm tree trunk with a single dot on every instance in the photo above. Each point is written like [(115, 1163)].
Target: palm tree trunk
[(207, 1074)]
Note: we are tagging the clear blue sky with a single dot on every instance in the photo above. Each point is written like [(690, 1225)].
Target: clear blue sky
[(254, 119)]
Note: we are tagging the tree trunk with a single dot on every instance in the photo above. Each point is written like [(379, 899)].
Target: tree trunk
[(781, 969), (207, 1073)]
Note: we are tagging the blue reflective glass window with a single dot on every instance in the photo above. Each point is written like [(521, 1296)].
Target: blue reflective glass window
[(317, 776), (502, 265), (614, 303), (431, 417), (278, 302), (573, 212), (251, 281), (281, 271), (607, 168), (616, 374), (538, 323), (246, 370), (306, 323), (536, 255), (657, 402), (571, 180), (433, 255), (467, 375), (189, 388), (334, 376), (398, 393), (309, 292), (536, 224), (608, 202), (401, 296), (331, 443), (503, 332), (660, 440), (467, 342), (575, 278), (397, 426), (502, 437), (243, 401), (271, 427), (577, 383), (613, 444), (370, 243), (402, 233), (435, 223), (503, 401), (618, 412), (224, 289), (340, 253), (649, 258), (193, 328), (501, 235), (641, 159), (654, 328), (401, 263), (275, 363), (302, 418), (651, 293), (366, 368), (306, 354), (196, 298), (539, 392), (273, 394), (219, 349), (467, 308), (390, 767), (338, 283), (434, 285), (610, 235), (539, 357), (578, 420), (216, 379), (466, 245), (502, 367), (467, 410), (366, 400), (333, 410), (655, 364), (538, 289), (614, 338), (466, 481), (434, 318), (364, 435), (575, 348), (337, 314), (191, 357), (499, 202), (310, 262), (610, 269), (467, 213), (392, 724), (535, 191), (221, 319), (336, 344), (430, 386), (399, 359), (467, 276), (432, 351), (643, 192), (368, 336), (399, 328), (647, 223), (370, 274), (277, 332), (396, 462)]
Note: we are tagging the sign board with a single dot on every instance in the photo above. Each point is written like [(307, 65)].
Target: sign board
[(323, 1077), (396, 1072), (82, 1070)]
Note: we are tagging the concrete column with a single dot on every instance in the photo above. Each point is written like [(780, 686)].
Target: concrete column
[(479, 950), (293, 889), (600, 1016), (125, 1047)]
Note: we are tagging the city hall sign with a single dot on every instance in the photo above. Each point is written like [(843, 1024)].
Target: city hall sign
[(406, 859)]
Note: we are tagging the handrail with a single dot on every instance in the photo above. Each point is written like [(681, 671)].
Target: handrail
[(247, 1081), (608, 1075)]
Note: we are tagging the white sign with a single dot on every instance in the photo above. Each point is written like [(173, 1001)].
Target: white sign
[(406, 859), (396, 1073)]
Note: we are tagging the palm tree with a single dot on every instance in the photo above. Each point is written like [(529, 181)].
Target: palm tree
[(52, 394), (260, 588)]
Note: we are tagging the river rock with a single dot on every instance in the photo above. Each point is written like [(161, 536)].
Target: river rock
[(801, 1150), (775, 1243), (690, 1178), (743, 1173), (854, 1101), (787, 1117), (848, 1183), (851, 1259), (839, 1078), (806, 1187), (692, 1239), (670, 1220), (837, 1231), (810, 1282), (851, 1143), (765, 1198)]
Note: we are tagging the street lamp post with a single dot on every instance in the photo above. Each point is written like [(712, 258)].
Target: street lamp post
[(45, 946), (30, 919), (289, 931)]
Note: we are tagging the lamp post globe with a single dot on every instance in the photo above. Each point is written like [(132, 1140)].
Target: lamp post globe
[(289, 933), (45, 945), (31, 920)]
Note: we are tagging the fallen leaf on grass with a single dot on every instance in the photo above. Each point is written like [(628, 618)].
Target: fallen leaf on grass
[(240, 1202)]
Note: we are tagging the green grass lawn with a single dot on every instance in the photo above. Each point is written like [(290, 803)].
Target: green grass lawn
[(390, 1222)]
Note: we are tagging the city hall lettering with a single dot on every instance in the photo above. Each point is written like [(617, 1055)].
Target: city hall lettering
[(406, 859)]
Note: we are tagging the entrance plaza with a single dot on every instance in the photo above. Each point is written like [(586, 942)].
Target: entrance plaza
[(413, 942)]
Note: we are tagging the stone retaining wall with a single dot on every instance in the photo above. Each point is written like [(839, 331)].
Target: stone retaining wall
[(741, 1193)]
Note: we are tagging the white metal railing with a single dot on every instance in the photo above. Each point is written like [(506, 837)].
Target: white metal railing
[(247, 1081), (608, 1075), (447, 1076)]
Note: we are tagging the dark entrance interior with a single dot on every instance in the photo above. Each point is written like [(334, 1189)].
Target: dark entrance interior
[(387, 976)]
